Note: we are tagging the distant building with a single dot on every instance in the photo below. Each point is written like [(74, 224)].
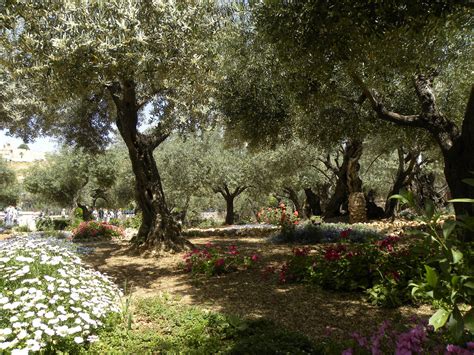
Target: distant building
[(9, 153)]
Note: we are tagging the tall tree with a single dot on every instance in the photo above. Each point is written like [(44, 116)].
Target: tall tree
[(92, 65)]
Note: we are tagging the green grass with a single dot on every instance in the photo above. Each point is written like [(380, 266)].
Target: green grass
[(160, 325)]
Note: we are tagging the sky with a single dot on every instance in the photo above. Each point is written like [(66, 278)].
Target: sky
[(39, 145)]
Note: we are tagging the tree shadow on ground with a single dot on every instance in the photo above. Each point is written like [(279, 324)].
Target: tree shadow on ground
[(248, 293)]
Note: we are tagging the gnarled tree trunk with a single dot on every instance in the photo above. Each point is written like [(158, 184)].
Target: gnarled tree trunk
[(312, 204), (293, 197), (357, 204), (158, 230), (352, 153), (402, 179)]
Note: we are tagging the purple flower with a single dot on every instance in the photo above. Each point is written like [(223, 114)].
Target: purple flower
[(456, 350), (348, 352), (411, 341)]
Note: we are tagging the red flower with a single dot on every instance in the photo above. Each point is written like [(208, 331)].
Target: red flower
[(295, 213), (220, 262), (332, 255), (255, 257), (344, 234)]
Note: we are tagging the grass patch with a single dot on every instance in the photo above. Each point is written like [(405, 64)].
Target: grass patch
[(159, 324)]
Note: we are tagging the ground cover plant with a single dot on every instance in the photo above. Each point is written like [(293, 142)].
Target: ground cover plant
[(94, 231), (213, 260), (48, 299), (162, 324)]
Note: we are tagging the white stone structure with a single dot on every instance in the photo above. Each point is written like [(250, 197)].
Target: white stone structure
[(9, 153)]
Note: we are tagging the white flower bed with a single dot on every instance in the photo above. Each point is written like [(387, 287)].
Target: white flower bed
[(48, 299)]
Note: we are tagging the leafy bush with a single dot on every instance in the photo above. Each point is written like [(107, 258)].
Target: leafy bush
[(48, 300), (22, 229), (132, 222), (448, 279), (47, 224), (212, 260), (92, 230), (169, 327), (310, 233), (384, 268)]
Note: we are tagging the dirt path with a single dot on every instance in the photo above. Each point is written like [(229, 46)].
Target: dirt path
[(309, 310)]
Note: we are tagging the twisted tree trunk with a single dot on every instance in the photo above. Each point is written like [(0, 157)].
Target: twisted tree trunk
[(312, 204), (158, 230), (357, 203), (402, 179), (351, 156)]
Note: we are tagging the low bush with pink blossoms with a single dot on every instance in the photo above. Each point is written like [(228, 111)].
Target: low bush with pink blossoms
[(383, 268), (93, 230), (214, 260), (281, 216)]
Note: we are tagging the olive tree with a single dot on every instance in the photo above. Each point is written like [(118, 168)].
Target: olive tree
[(79, 70)]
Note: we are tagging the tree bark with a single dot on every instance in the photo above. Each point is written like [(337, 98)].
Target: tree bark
[(312, 203), (229, 198), (293, 197), (459, 164), (352, 153), (402, 179), (158, 231), (357, 204), (229, 215)]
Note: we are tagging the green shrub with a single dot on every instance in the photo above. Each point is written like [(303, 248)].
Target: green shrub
[(132, 222), (448, 278), (22, 229), (47, 223)]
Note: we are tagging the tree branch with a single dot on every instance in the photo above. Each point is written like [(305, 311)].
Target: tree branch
[(382, 112)]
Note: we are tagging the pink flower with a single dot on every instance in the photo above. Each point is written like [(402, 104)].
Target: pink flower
[(255, 257), (220, 262), (457, 350)]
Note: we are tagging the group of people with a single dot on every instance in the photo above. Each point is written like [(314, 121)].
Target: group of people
[(103, 214), (11, 216)]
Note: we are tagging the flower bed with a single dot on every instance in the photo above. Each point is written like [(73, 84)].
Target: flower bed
[(48, 299), (309, 233), (92, 230), (383, 268), (213, 260)]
